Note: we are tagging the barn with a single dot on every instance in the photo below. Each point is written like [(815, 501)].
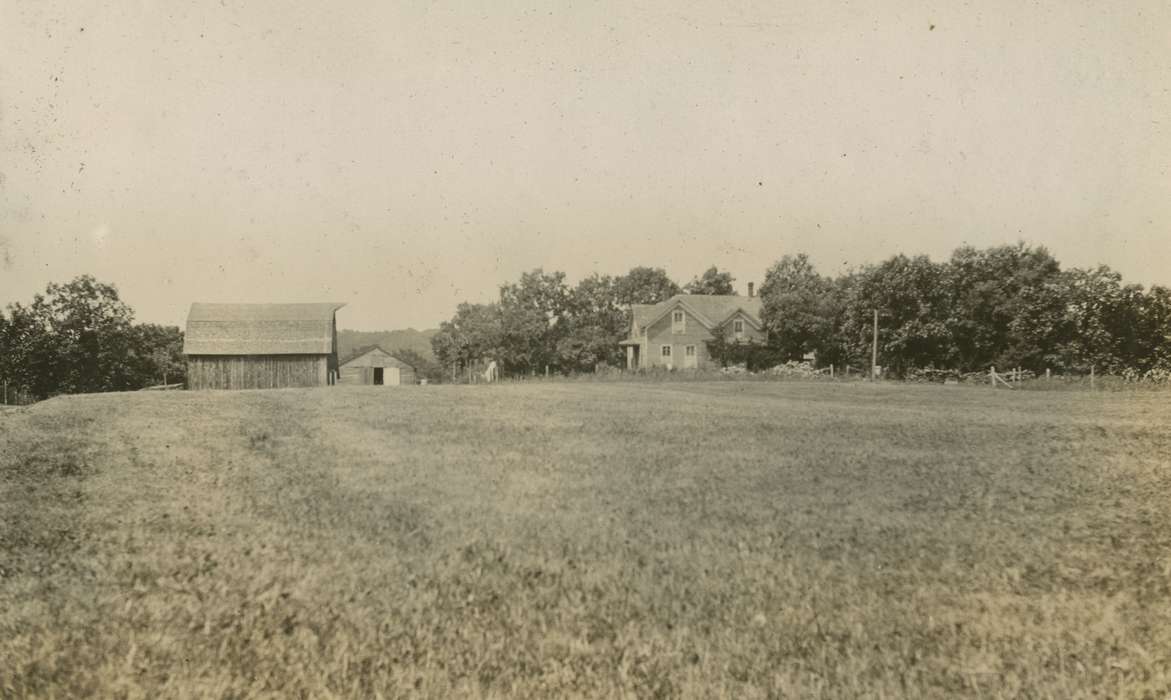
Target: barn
[(377, 367), (261, 346)]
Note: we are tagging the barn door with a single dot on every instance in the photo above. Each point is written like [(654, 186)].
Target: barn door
[(377, 376), (393, 376)]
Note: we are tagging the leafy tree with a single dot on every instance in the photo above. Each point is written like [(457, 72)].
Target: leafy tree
[(1108, 324), (596, 323), (754, 355), (645, 285), (798, 307), (474, 333), (533, 320), (157, 355), (90, 328), (912, 312), (711, 282), (719, 348), (425, 367), (989, 292), (1157, 328)]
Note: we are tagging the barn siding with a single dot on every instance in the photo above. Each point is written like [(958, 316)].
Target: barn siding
[(362, 376), (256, 371), (358, 370)]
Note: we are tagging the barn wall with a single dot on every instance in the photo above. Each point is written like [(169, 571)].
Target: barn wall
[(256, 371), (358, 369)]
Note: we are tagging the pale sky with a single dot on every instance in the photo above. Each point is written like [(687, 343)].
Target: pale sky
[(404, 157)]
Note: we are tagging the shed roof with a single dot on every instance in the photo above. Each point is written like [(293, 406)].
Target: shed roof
[(364, 351), (260, 329)]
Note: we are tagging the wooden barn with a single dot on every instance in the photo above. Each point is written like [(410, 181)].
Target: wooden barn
[(374, 366), (261, 346)]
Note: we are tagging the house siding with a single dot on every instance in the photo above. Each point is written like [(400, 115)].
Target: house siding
[(695, 333)]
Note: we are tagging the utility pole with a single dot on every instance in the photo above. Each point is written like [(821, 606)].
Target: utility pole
[(874, 349)]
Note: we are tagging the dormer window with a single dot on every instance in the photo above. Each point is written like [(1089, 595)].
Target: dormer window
[(678, 322), (738, 328)]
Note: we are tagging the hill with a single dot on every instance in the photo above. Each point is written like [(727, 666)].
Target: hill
[(716, 539), (410, 339)]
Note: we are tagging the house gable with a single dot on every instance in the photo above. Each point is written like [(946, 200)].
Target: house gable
[(653, 327)]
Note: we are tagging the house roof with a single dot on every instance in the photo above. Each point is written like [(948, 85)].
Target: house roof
[(711, 310), (366, 350), (260, 329)]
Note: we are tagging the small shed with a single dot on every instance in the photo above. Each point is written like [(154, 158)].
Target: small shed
[(261, 346), (374, 366)]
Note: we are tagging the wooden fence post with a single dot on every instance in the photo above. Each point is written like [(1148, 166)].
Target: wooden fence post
[(831, 371), (1047, 377), (1091, 377), (992, 376)]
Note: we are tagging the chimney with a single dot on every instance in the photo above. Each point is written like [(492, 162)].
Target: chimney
[(750, 289)]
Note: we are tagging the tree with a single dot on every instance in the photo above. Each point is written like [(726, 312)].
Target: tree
[(798, 308), (425, 367), (91, 327), (533, 320), (473, 334), (645, 285), (596, 323), (990, 294), (1157, 327), (157, 355), (912, 311), (1108, 326), (711, 282)]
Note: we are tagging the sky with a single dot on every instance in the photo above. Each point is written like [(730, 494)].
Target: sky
[(402, 157)]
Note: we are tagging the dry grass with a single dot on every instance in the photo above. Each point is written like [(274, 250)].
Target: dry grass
[(606, 540)]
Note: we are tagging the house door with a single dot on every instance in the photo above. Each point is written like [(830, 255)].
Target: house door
[(689, 358), (377, 376)]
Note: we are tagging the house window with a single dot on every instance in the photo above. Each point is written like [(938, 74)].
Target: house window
[(689, 351), (738, 328), (665, 351), (678, 322)]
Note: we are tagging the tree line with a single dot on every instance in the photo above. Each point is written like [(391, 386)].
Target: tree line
[(1009, 306), (1005, 306), (80, 337)]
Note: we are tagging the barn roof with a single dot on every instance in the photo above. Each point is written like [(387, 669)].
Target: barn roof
[(260, 329)]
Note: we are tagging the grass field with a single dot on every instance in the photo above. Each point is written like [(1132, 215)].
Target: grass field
[(681, 539)]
